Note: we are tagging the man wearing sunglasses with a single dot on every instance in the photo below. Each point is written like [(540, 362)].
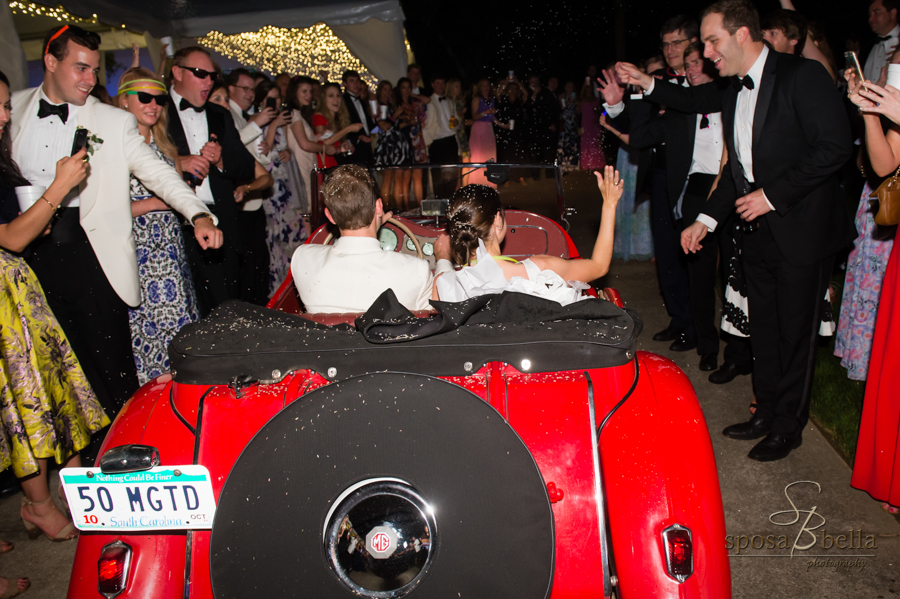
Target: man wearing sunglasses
[(87, 264), (215, 159)]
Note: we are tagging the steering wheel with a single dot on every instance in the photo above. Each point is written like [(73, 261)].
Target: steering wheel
[(397, 224)]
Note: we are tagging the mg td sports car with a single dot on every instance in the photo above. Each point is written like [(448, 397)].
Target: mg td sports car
[(505, 446)]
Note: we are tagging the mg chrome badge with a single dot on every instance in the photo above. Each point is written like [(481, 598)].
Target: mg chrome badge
[(381, 542)]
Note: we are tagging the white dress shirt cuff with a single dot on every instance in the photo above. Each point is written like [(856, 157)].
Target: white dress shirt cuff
[(614, 110), (443, 265), (768, 203), (650, 89), (710, 222)]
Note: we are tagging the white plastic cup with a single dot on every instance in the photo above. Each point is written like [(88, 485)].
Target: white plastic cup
[(28, 195), (512, 124), (169, 44), (562, 102), (893, 78), (373, 106), (384, 112), (587, 80)]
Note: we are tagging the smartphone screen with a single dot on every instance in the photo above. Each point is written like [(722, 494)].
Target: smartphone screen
[(854, 64), (81, 136)]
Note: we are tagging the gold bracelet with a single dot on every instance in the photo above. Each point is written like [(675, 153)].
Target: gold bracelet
[(49, 203)]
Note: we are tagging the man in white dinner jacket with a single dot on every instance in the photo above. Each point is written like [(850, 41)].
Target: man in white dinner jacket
[(87, 264)]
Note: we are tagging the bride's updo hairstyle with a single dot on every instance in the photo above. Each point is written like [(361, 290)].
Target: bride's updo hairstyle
[(471, 214)]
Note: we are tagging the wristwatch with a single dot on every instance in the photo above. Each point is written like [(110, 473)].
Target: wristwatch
[(202, 215)]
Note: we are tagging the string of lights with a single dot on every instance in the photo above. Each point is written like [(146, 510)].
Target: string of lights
[(39, 10), (295, 51)]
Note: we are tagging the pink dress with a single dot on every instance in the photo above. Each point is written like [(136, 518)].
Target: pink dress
[(482, 142), (591, 150)]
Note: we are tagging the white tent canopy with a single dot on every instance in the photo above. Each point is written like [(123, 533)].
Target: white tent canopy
[(372, 31)]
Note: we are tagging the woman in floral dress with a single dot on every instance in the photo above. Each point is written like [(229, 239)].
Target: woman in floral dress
[(47, 408), (286, 203), (168, 299)]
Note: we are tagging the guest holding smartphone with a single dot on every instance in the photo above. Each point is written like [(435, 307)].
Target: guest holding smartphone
[(48, 409)]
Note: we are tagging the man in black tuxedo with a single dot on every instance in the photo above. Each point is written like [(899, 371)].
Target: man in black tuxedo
[(787, 137), (212, 158), (359, 113), (695, 144), (675, 35)]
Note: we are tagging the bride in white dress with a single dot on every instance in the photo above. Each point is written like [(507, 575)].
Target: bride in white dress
[(476, 229)]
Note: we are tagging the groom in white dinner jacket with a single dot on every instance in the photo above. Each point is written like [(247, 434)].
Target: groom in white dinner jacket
[(87, 264)]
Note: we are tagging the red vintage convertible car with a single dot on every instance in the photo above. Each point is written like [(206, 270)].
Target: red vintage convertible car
[(501, 447)]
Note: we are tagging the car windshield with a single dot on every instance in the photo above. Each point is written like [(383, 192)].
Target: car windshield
[(516, 184)]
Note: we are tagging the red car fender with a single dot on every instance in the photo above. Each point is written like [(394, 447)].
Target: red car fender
[(658, 470), (158, 558)]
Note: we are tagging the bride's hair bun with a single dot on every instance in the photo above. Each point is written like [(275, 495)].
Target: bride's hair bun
[(471, 214)]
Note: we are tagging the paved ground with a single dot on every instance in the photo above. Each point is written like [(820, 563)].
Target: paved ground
[(752, 491)]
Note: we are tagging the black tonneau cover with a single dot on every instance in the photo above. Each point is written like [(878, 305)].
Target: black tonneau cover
[(242, 340)]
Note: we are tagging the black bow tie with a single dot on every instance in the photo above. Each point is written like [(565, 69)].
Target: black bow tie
[(704, 121), (884, 38), (60, 110), (738, 83), (184, 105), (246, 115), (442, 98)]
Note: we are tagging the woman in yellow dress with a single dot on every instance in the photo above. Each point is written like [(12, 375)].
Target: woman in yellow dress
[(47, 408)]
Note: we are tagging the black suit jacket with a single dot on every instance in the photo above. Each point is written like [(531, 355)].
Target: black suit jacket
[(801, 139), (678, 130), (238, 163), (354, 118), (647, 111)]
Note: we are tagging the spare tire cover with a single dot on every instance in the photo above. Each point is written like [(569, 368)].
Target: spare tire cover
[(493, 520)]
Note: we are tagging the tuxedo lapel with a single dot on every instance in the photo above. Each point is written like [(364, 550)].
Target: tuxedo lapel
[(729, 105), (88, 193), (764, 99), (176, 130)]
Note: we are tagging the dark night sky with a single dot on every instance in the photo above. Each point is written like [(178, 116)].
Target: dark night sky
[(471, 38)]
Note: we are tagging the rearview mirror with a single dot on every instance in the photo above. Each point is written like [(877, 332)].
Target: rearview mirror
[(434, 207)]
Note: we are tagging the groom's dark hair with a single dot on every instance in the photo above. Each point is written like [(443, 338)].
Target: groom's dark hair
[(737, 14)]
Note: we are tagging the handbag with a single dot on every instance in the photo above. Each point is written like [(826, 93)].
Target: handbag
[(888, 194)]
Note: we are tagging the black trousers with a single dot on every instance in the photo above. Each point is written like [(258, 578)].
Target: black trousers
[(671, 263), (216, 272), (254, 275), (785, 309), (444, 151), (702, 275), (91, 314)]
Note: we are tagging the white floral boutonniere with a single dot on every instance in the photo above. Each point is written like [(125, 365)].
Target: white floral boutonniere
[(93, 142)]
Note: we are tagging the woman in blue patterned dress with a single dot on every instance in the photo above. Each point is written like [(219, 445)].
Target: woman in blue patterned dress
[(168, 300)]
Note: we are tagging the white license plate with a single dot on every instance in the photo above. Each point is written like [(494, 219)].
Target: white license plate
[(162, 498)]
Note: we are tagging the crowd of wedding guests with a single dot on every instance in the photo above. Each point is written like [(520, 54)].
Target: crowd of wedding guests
[(218, 170)]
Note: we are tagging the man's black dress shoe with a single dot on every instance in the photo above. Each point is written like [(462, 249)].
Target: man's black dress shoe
[(754, 428), (774, 447), (727, 373), (709, 362), (667, 334), (683, 343)]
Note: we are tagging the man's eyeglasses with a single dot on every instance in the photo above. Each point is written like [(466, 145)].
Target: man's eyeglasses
[(665, 45), (198, 73), (246, 88), (145, 98)]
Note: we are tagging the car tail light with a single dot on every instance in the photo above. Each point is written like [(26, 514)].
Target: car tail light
[(679, 552), (112, 568)]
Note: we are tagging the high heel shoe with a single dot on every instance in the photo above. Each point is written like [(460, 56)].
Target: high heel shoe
[(34, 531)]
